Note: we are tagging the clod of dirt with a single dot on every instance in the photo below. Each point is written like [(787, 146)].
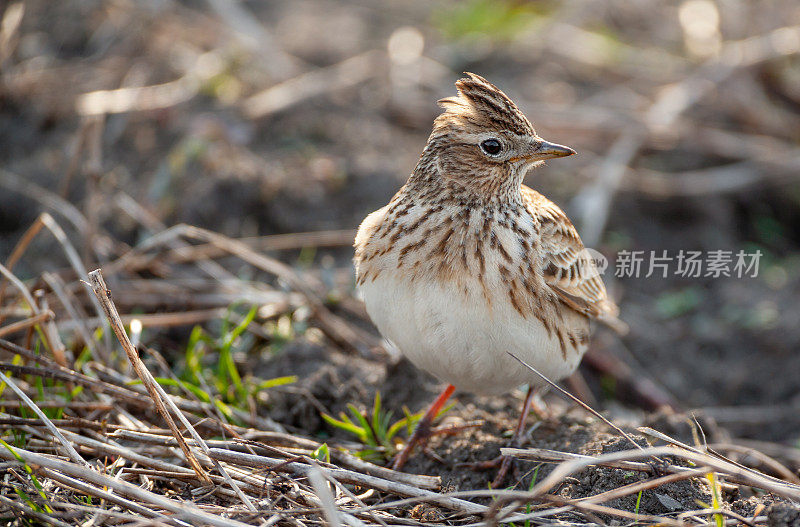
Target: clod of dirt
[(426, 513), (783, 515)]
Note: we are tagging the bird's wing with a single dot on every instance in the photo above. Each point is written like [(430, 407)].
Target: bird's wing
[(568, 269)]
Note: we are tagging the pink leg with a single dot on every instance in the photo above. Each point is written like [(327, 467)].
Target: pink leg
[(423, 430)]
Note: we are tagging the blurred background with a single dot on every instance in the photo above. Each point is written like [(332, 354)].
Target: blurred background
[(262, 118)]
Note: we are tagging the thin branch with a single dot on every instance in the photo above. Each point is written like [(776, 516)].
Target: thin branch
[(99, 287)]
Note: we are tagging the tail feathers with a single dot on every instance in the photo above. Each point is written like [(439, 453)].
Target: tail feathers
[(614, 323)]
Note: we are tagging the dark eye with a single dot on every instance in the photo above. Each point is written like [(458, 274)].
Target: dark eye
[(491, 147)]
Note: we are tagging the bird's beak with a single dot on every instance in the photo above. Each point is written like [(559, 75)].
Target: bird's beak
[(550, 150), (543, 150)]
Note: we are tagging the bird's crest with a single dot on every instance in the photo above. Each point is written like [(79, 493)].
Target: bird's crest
[(481, 104)]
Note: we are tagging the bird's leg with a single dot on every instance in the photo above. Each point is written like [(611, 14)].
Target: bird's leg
[(516, 440), (423, 430), (504, 463)]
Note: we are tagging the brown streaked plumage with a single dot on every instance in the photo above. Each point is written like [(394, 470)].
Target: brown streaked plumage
[(465, 263)]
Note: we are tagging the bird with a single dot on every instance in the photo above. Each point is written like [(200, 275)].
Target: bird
[(466, 266)]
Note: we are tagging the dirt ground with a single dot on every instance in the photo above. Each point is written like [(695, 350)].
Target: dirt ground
[(330, 382), (724, 349)]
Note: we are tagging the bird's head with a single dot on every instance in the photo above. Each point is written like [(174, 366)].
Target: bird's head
[(482, 143)]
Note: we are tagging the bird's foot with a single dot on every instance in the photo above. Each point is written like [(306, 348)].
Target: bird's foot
[(505, 466), (422, 433)]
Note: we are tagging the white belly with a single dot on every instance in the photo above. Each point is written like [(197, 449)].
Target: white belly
[(456, 338)]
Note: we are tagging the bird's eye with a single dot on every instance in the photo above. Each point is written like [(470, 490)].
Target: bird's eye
[(492, 147)]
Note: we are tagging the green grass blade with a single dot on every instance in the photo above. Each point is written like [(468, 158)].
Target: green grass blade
[(396, 427), (716, 498), (277, 381), (369, 433), (345, 425), (376, 409)]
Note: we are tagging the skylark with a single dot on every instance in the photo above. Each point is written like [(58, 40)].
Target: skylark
[(466, 263)]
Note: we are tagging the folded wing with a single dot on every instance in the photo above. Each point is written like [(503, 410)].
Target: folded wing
[(568, 268)]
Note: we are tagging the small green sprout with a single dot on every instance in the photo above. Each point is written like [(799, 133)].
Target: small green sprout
[(322, 453), (376, 431)]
